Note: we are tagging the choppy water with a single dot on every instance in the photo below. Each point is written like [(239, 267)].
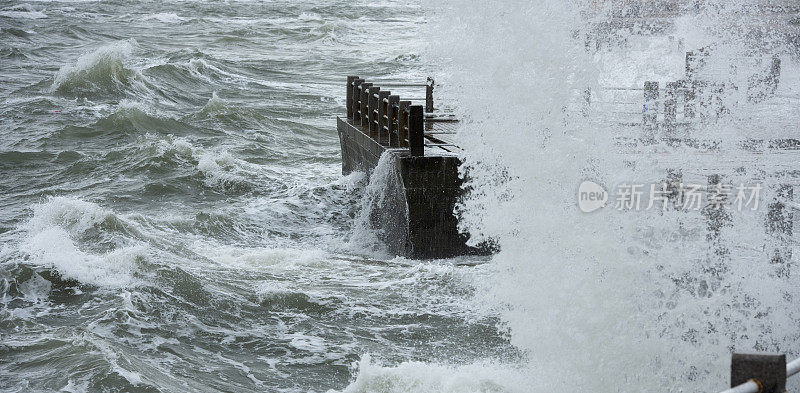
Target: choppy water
[(173, 215)]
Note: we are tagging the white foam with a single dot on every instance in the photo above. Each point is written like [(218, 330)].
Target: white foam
[(305, 342), (73, 215), (179, 146), (219, 168), (419, 377), (23, 11), (214, 105), (75, 387), (53, 248), (309, 16), (275, 258), (165, 17), (51, 243), (271, 289)]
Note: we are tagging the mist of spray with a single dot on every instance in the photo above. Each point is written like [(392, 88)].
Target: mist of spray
[(607, 301)]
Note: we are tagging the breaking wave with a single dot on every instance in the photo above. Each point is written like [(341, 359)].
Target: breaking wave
[(99, 72), (420, 377), (55, 237), (23, 11)]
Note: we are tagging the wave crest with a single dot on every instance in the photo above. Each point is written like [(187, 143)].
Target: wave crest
[(23, 11), (51, 244), (73, 215), (100, 71)]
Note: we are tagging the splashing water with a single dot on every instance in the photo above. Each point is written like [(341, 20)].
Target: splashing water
[(381, 225), (608, 301), (173, 213)]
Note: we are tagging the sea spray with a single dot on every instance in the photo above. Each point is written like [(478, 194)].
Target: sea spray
[(563, 274), (607, 301), (381, 226)]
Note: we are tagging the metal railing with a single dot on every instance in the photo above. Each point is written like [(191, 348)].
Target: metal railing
[(761, 373), (385, 117)]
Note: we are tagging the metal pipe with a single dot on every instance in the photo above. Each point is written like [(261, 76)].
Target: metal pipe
[(793, 368), (392, 84), (750, 386), (621, 88), (435, 120), (753, 386)]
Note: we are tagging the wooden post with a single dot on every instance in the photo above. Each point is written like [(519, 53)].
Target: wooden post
[(356, 104), (416, 134), (674, 181), (383, 134), (429, 95), (349, 102), (587, 100), (372, 126), (689, 99), (364, 94), (769, 370), (779, 225), (717, 215), (694, 63), (774, 74), (391, 123), (670, 105), (402, 123), (717, 102), (650, 109)]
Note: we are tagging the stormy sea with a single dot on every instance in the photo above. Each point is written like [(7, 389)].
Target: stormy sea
[(174, 217)]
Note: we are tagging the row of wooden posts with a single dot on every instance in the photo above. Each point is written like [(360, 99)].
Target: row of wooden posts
[(699, 96), (707, 94), (386, 118)]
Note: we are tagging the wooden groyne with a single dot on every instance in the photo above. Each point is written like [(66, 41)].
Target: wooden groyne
[(420, 139)]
